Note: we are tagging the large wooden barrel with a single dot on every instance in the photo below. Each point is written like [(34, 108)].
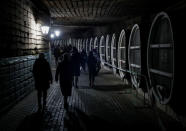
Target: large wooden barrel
[(69, 41), (166, 66), (73, 42), (134, 56), (81, 45), (122, 53), (161, 58), (84, 44), (62, 42), (77, 43), (102, 49), (114, 52), (108, 49), (91, 44), (87, 45), (54, 43), (66, 42), (58, 42), (96, 44)]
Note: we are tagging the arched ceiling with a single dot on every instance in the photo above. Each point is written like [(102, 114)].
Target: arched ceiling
[(100, 12)]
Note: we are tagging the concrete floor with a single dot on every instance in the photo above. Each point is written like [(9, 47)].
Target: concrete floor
[(110, 105)]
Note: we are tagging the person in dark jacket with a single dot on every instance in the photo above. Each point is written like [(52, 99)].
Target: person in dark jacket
[(64, 72), (98, 62), (76, 65), (91, 68), (56, 54), (43, 77), (83, 59)]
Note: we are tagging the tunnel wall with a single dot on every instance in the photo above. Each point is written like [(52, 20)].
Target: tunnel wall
[(20, 42)]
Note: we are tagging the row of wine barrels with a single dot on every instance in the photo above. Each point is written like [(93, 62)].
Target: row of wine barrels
[(96, 44), (162, 57)]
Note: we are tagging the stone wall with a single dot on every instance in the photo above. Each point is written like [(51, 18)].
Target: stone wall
[(20, 32), (21, 40)]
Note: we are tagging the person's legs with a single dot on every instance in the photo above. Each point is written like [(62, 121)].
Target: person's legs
[(65, 102), (76, 81), (73, 81), (93, 79), (83, 66), (39, 95), (89, 79), (44, 98), (56, 60)]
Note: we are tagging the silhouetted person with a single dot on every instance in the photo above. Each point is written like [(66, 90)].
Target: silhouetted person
[(76, 65), (83, 59), (98, 61), (64, 72), (56, 54), (43, 78), (91, 68)]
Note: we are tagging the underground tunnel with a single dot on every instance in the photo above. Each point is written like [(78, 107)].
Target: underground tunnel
[(129, 57)]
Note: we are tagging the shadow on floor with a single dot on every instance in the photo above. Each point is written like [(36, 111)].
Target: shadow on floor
[(76, 120), (118, 87), (32, 122), (105, 73), (79, 121)]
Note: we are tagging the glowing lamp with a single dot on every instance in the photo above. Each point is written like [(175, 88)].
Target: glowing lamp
[(45, 29)]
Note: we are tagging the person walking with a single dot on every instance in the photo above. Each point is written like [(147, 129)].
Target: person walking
[(43, 78), (76, 66), (91, 68), (83, 55), (56, 53), (64, 74)]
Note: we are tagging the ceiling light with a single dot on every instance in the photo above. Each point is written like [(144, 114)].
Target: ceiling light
[(51, 35), (45, 29), (57, 33)]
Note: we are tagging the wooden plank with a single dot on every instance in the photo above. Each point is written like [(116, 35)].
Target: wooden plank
[(134, 47), (70, 7), (117, 9), (93, 7), (97, 8), (135, 65), (122, 61), (58, 5), (162, 73), (102, 6), (168, 45), (51, 4), (53, 12), (76, 8), (110, 9)]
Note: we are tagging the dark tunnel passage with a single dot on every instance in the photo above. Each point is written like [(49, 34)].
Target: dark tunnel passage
[(86, 65)]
